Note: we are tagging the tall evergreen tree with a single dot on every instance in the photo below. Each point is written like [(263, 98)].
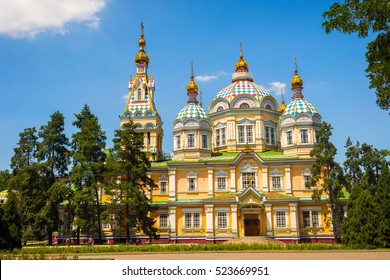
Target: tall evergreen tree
[(26, 151), (327, 176), (12, 220), (88, 146), (128, 165), (53, 153), (367, 173)]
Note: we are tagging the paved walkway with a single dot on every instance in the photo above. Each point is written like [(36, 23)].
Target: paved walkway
[(311, 255)]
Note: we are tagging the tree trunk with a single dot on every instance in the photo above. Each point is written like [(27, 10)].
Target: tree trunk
[(98, 216)]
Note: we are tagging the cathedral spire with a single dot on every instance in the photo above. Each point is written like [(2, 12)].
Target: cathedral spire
[(296, 82), (192, 88), (141, 57), (241, 64)]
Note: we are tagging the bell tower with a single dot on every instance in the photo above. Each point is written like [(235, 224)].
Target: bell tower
[(140, 105)]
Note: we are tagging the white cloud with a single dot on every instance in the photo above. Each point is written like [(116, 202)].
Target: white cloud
[(205, 78), (125, 97), (277, 87), (21, 18)]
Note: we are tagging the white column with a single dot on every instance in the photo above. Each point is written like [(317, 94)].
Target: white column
[(258, 129), (268, 212), (211, 181), (209, 219), (288, 179), (294, 217), (233, 209), (172, 220), (233, 179), (148, 192), (265, 179), (172, 183)]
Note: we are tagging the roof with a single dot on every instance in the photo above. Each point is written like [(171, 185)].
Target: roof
[(298, 106), (242, 87), (192, 111)]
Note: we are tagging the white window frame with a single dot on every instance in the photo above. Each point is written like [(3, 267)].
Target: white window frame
[(161, 221), (276, 175), (221, 176), (306, 175), (192, 213), (222, 216), (191, 144), (178, 141), (205, 140), (302, 136), (246, 135), (289, 140), (163, 187), (270, 135), (192, 181), (311, 211), (286, 220)]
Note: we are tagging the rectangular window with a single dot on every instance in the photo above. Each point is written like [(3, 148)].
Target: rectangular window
[(223, 136), (248, 180), (188, 220), (218, 137), (317, 136), (196, 217), (304, 136), (221, 220), (281, 219), (205, 141), (289, 137), (276, 183), (163, 220), (306, 179), (249, 134), (192, 220), (221, 183), (178, 142), (191, 140), (163, 187), (270, 135), (311, 219), (306, 218), (191, 184), (241, 135)]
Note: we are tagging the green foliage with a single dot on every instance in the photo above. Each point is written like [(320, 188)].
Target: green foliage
[(368, 179), (26, 151), (366, 17), (327, 176), (5, 178), (364, 227), (128, 167), (11, 227), (88, 145)]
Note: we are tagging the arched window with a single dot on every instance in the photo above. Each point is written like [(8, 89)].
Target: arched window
[(139, 97), (219, 109), (244, 106), (268, 107)]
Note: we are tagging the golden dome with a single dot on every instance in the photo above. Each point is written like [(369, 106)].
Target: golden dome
[(141, 41), (241, 63), (282, 108), (296, 81), (141, 58), (192, 87)]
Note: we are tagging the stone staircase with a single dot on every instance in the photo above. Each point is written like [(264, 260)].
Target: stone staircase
[(255, 240)]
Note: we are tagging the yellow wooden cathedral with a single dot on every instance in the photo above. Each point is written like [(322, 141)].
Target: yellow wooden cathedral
[(238, 168)]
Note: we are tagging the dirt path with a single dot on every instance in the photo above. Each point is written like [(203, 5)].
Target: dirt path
[(312, 255)]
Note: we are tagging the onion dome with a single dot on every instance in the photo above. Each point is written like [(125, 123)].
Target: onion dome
[(192, 111), (141, 57), (192, 87), (298, 106), (241, 64), (282, 106), (296, 81), (242, 87)]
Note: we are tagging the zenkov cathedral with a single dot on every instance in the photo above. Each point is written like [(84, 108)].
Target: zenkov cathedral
[(238, 168)]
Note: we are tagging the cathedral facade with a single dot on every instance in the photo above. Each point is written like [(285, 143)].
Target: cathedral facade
[(239, 166)]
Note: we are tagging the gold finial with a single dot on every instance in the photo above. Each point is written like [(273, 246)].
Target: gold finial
[(141, 57), (282, 106), (142, 28), (247, 149), (241, 63), (296, 81), (192, 87)]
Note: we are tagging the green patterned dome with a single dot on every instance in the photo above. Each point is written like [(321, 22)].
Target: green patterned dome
[(192, 111)]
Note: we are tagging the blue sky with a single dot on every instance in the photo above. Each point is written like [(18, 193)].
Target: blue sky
[(59, 55)]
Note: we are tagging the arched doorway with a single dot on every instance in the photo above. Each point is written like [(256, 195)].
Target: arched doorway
[(251, 225)]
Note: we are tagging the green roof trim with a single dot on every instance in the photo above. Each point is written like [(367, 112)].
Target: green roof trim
[(274, 155), (159, 203)]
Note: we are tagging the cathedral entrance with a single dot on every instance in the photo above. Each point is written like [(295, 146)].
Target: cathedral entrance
[(251, 225)]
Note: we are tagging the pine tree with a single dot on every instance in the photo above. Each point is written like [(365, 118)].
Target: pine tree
[(88, 155), (128, 166), (53, 153), (12, 221), (327, 176), (26, 151)]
